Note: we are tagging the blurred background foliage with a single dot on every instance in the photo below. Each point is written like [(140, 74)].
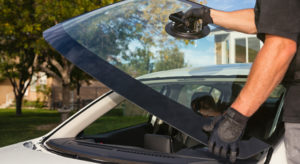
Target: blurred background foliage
[(23, 51)]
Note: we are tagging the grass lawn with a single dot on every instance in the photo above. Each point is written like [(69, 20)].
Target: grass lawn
[(37, 122), (33, 123)]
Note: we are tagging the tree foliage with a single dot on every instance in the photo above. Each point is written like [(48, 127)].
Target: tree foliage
[(18, 34), (130, 36), (153, 54), (170, 59)]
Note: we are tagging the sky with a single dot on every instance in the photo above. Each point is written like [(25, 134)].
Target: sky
[(229, 5), (201, 53)]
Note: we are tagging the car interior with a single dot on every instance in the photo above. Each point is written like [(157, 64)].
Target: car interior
[(156, 137)]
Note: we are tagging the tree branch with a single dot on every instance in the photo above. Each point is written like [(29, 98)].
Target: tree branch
[(31, 69), (27, 85), (71, 68), (56, 65), (47, 70), (12, 81)]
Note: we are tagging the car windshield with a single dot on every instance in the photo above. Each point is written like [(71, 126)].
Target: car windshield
[(126, 41)]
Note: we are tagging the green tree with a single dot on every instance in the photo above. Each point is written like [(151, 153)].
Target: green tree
[(169, 59), (139, 62), (2, 77), (49, 13), (21, 41), (18, 34)]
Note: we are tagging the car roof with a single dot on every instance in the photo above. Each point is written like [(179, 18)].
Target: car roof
[(214, 70)]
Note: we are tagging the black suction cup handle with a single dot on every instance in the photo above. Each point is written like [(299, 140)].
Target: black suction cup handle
[(176, 17)]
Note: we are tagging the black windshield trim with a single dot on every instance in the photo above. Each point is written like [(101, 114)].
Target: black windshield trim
[(118, 153)]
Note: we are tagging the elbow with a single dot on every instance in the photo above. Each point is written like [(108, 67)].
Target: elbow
[(285, 45), (289, 46), (252, 29), (252, 32)]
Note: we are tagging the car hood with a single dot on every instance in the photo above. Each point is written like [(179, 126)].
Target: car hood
[(89, 42), (18, 153)]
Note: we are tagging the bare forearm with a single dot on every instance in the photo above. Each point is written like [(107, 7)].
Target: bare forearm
[(266, 73), (240, 20)]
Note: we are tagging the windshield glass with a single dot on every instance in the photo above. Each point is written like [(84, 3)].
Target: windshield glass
[(131, 36)]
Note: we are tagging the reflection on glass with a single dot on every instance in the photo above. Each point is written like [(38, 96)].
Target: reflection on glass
[(240, 50), (132, 37), (253, 48), (123, 115), (214, 94)]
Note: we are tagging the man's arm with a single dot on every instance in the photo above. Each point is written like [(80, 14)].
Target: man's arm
[(240, 20), (270, 65), (267, 71), (271, 62)]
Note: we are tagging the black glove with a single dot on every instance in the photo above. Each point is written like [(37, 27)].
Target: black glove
[(227, 131), (197, 13)]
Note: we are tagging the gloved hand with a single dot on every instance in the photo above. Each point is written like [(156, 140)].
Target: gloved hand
[(226, 132), (198, 13)]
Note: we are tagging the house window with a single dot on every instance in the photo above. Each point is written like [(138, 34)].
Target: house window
[(240, 50), (219, 52), (38, 79), (253, 48), (33, 83), (246, 49)]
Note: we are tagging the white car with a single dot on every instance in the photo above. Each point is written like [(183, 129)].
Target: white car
[(160, 137), (160, 114)]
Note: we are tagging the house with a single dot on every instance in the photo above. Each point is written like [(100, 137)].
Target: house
[(47, 89), (6, 93), (235, 47)]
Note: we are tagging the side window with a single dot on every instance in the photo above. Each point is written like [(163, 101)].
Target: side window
[(187, 92), (124, 115), (157, 88), (185, 95), (277, 92)]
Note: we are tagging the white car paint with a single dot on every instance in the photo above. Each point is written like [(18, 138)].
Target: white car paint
[(19, 154)]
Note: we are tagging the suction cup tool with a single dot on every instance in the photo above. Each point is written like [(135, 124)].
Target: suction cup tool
[(179, 29)]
